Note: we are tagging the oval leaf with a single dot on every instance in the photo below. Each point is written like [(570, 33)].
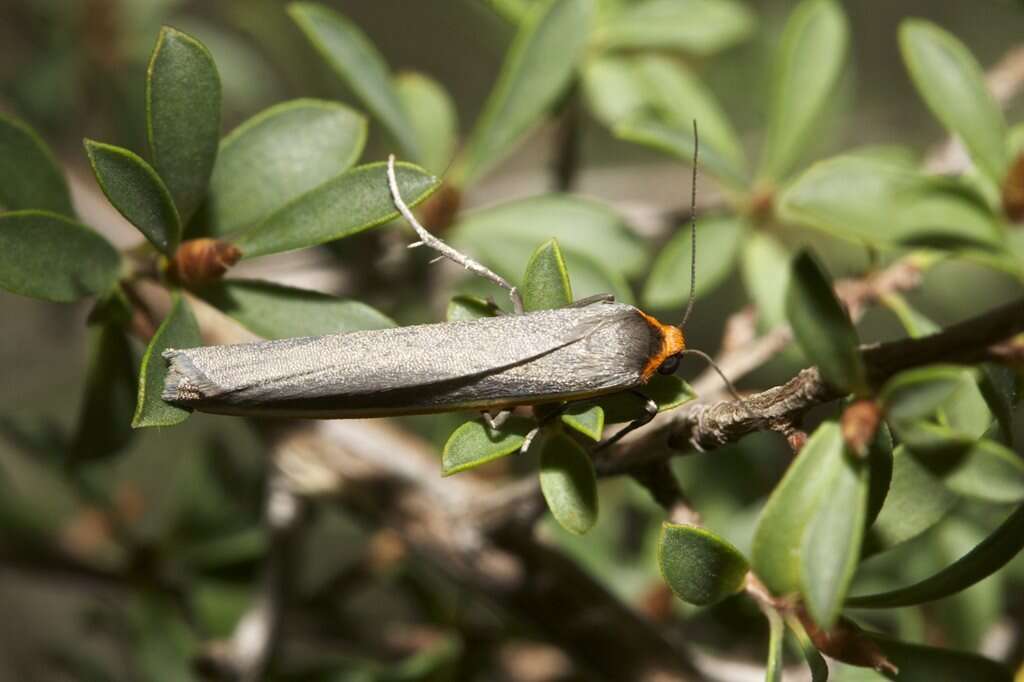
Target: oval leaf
[(585, 419), (918, 393), (953, 85), (351, 202), (178, 330), (765, 266), (700, 567), (546, 282), (104, 421), (538, 67), (137, 192), (30, 177), (822, 327), (474, 443), (567, 480), (812, 51), (275, 311), (183, 116), (612, 90), (354, 58), (700, 27), (718, 239), (47, 256), (278, 155), (434, 120)]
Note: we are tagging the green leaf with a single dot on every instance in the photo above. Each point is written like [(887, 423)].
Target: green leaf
[(918, 663), (349, 203), (104, 419), (668, 391), (612, 91), (507, 235), (879, 202), (512, 11), (275, 311), (822, 327), (537, 69), (474, 443), (700, 567), (989, 556), (586, 419), (811, 55), (546, 282), (567, 480), (984, 470), (48, 256), (183, 116), (766, 269), (278, 155), (700, 27), (718, 241), (354, 58), (918, 393), (815, 663), (792, 507), (434, 120), (776, 636), (469, 308), (831, 544), (880, 464), (30, 177), (137, 192), (678, 142), (916, 324), (953, 85), (178, 330)]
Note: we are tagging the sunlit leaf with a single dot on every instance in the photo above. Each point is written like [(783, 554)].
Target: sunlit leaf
[(700, 567), (30, 177), (613, 91), (546, 282), (700, 27), (766, 270), (434, 119), (567, 480), (718, 242), (585, 419), (474, 443), (677, 141)]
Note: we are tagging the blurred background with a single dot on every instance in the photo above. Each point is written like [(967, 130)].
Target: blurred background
[(189, 500)]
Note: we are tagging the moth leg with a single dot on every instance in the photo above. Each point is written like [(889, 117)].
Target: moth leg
[(591, 300), (497, 421), (553, 414), (650, 411), (529, 439), (429, 240)]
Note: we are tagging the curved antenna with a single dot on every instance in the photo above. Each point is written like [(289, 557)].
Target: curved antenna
[(718, 370), (693, 231)]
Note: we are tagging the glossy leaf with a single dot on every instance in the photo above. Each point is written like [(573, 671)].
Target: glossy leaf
[(277, 156), (474, 443), (831, 544), (275, 311), (48, 256), (677, 141), (183, 116), (469, 308), (506, 235), (567, 480), (137, 192), (918, 663), (700, 567), (433, 117), (104, 419), (585, 419), (612, 90), (30, 177), (776, 637), (355, 59), (953, 85), (546, 282), (700, 27), (811, 55), (349, 203), (538, 67), (918, 392), (718, 242), (668, 391), (178, 330), (766, 270), (822, 327)]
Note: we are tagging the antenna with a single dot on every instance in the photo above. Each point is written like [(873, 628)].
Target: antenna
[(693, 230)]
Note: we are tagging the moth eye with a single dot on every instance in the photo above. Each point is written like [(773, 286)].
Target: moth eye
[(670, 365)]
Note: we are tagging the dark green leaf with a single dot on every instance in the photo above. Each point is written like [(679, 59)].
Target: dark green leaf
[(880, 463), (822, 327), (30, 177), (700, 567), (953, 85), (234, 549), (178, 330), (831, 544), (546, 282), (718, 241), (765, 266), (278, 155), (918, 393), (917, 663), (105, 417), (183, 116), (700, 27), (677, 141), (469, 308), (776, 636), (586, 419), (434, 119), (811, 55), (349, 203), (275, 312), (988, 557), (668, 391), (474, 443), (48, 256), (538, 67), (353, 57), (567, 480), (137, 192)]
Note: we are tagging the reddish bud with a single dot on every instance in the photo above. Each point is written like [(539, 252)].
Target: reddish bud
[(859, 424), (847, 643), (198, 261), (1013, 190), (440, 210)]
